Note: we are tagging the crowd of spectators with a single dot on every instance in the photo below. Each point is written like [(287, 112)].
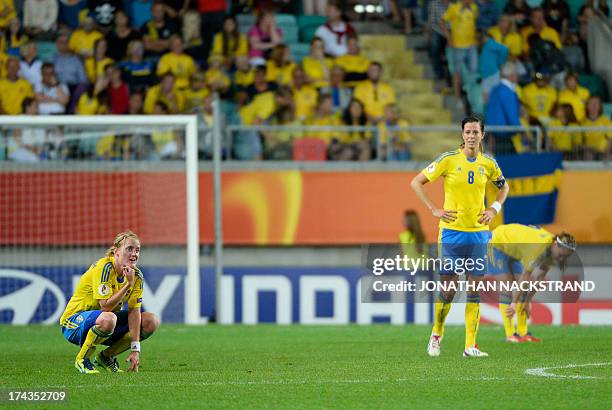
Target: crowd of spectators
[(519, 66), (168, 57)]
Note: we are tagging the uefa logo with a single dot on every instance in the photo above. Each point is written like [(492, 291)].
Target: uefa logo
[(29, 296)]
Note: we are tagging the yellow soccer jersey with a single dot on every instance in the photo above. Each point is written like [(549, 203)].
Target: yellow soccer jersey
[(525, 243), (353, 63), (374, 97), (181, 65), (597, 140), (576, 99), (512, 40), (462, 21), (305, 101), (281, 75), (464, 186), (99, 282), (539, 101)]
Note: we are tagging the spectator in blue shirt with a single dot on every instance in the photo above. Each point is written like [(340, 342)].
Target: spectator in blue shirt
[(488, 14), (139, 12), (493, 55), (68, 66), (504, 109)]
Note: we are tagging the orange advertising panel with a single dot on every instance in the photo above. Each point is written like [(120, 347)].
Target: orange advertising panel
[(259, 208)]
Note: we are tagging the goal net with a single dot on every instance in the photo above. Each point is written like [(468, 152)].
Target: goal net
[(69, 184)]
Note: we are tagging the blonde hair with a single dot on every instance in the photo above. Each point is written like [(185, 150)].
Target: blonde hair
[(122, 236)]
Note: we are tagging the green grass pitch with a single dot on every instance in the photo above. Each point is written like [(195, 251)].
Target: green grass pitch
[(379, 366)]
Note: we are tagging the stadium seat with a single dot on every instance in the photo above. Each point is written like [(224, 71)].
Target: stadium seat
[(285, 20), (411, 85), (46, 50), (245, 22), (290, 34), (309, 149), (402, 70), (425, 115), (427, 145), (299, 51), (308, 26), (383, 42), (594, 83), (429, 100), (607, 108)]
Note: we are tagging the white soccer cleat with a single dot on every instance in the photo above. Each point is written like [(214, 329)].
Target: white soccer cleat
[(474, 352), (433, 348)]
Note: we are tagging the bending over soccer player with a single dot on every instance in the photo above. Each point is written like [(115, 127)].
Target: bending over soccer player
[(94, 316), (464, 230), (524, 253)]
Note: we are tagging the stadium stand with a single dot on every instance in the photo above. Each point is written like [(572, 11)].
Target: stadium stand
[(287, 34)]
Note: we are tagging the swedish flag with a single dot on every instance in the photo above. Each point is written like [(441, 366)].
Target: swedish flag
[(534, 181)]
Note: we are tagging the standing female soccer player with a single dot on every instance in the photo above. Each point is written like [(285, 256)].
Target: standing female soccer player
[(464, 231), (94, 316), (524, 253)]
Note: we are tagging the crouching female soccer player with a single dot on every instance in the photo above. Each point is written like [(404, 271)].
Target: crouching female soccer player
[(94, 316), (524, 253), (464, 230)]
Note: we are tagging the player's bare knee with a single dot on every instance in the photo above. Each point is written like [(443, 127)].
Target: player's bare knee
[(448, 295), (150, 322), (107, 321)]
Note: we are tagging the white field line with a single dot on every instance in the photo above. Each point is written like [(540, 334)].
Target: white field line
[(119, 383), (544, 371)]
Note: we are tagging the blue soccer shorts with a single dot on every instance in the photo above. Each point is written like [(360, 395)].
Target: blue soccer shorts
[(77, 326), (466, 250), (500, 263)]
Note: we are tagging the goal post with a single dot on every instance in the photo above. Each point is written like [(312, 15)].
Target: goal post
[(188, 124)]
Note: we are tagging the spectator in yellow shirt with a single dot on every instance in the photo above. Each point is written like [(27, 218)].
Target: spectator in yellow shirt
[(539, 98), (461, 17), (598, 144), (196, 93), (575, 95), (167, 93), (7, 12), (505, 33), (244, 74), (538, 26), (324, 116), (13, 89), (216, 79), (96, 64), (278, 145), (230, 43), (565, 141), (279, 67), (374, 93), (83, 40), (316, 65), (90, 102), (355, 65), (390, 128), (304, 96), (177, 62)]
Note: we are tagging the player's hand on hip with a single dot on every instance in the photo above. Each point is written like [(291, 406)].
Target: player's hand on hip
[(445, 215), (487, 216), (134, 360)]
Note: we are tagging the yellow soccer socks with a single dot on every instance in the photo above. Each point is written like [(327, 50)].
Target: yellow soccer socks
[(95, 336), (441, 310), (472, 319)]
